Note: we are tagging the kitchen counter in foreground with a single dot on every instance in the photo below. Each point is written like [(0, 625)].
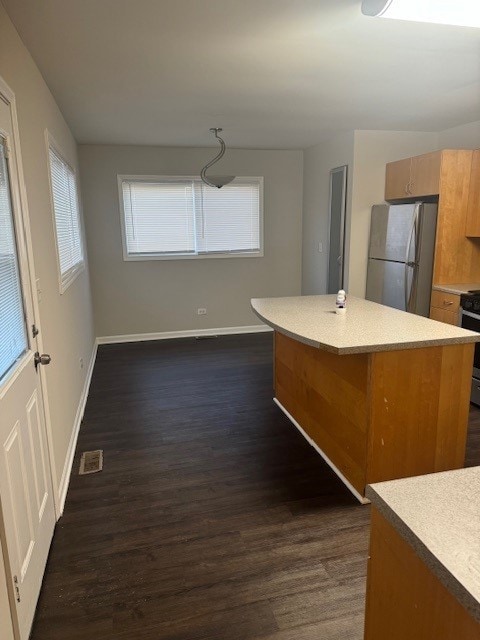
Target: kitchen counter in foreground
[(366, 327), (424, 571), (379, 393)]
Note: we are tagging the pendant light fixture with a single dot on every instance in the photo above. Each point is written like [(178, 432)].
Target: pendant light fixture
[(216, 181), (462, 13)]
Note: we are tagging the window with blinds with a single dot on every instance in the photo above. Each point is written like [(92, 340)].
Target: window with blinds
[(13, 337), (67, 219), (184, 218)]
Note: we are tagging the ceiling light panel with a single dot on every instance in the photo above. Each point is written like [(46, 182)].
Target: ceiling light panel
[(463, 13)]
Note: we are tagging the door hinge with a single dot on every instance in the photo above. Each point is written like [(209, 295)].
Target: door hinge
[(35, 331), (17, 589)]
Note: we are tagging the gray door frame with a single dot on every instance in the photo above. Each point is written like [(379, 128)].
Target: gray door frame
[(336, 265)]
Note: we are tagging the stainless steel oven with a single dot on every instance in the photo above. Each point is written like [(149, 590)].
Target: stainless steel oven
[(470, 303)]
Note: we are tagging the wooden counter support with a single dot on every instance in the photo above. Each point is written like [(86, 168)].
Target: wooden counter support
[(405, 600), (378, 416)]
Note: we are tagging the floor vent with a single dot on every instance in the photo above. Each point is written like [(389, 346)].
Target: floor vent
[(91, 462)]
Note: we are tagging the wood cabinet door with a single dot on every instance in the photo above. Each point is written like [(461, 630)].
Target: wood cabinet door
[(425, 175), (473, 212), (397, 179), (442, 315)]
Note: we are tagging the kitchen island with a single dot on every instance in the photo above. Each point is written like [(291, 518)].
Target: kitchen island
[(380, 393), (424, 565)]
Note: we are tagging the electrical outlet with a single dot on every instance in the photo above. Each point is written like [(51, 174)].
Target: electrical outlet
[(201, 312), (81, 363)]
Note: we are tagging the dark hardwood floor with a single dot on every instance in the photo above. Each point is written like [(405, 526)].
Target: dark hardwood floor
[(213, 518)]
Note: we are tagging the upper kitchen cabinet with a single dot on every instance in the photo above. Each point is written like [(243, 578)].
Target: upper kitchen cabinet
[(397, 179), (413, 177), (425, 174), (473, 212)]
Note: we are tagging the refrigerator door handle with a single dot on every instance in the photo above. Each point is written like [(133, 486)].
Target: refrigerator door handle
[(405, 288), (408, 262), (412, 298), (408, 293)]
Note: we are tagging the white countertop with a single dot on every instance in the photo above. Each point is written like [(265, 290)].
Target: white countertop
[(365, 327), (457, 289), (439, 516)]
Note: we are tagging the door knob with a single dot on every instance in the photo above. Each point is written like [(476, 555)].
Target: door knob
[(41, 359)]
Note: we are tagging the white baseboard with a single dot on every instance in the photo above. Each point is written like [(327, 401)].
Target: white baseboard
[(67, 469), (189, 333), (349, 486)]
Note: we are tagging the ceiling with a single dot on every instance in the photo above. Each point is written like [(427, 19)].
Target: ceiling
[(272, 73)]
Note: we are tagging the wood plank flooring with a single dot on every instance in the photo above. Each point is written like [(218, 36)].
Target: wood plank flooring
[(213, 519)]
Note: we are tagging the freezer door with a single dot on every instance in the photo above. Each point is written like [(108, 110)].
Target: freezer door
[(390, 283), (392, 232)]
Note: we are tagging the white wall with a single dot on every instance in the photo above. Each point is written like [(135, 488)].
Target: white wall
[(372, 151), (466, 136), (156, 296), (66, 321), (318, 162)]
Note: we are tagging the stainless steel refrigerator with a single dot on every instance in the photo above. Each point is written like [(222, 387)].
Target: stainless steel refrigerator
[(400, 258)]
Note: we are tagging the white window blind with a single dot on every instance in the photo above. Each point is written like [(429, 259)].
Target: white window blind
[(67, 218), (13, 339), (159, 218), (183, 217)]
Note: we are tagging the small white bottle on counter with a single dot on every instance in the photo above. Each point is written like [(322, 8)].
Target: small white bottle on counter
[(341, 302)]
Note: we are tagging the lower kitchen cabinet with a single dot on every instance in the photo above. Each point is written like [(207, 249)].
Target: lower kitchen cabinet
[(445, 307)]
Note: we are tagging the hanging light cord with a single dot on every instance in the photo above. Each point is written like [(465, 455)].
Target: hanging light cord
[(216, 159)]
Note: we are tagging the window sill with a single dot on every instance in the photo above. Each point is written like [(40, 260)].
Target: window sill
[(70, 277), (187, 256)]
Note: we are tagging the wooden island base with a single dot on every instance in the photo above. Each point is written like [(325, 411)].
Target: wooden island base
[(378, 416), (405, 600)]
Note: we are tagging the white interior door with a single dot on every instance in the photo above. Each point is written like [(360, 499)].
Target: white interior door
[(27, 507)]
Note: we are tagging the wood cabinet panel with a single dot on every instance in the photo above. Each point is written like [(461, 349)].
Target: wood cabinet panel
[(457, 259), (425, 174), (397, 179), (409, 435), (473, 212), (364, 410), (327, 396), (405, 600)]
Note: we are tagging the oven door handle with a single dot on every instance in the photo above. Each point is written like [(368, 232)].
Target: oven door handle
[(476, 316)]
